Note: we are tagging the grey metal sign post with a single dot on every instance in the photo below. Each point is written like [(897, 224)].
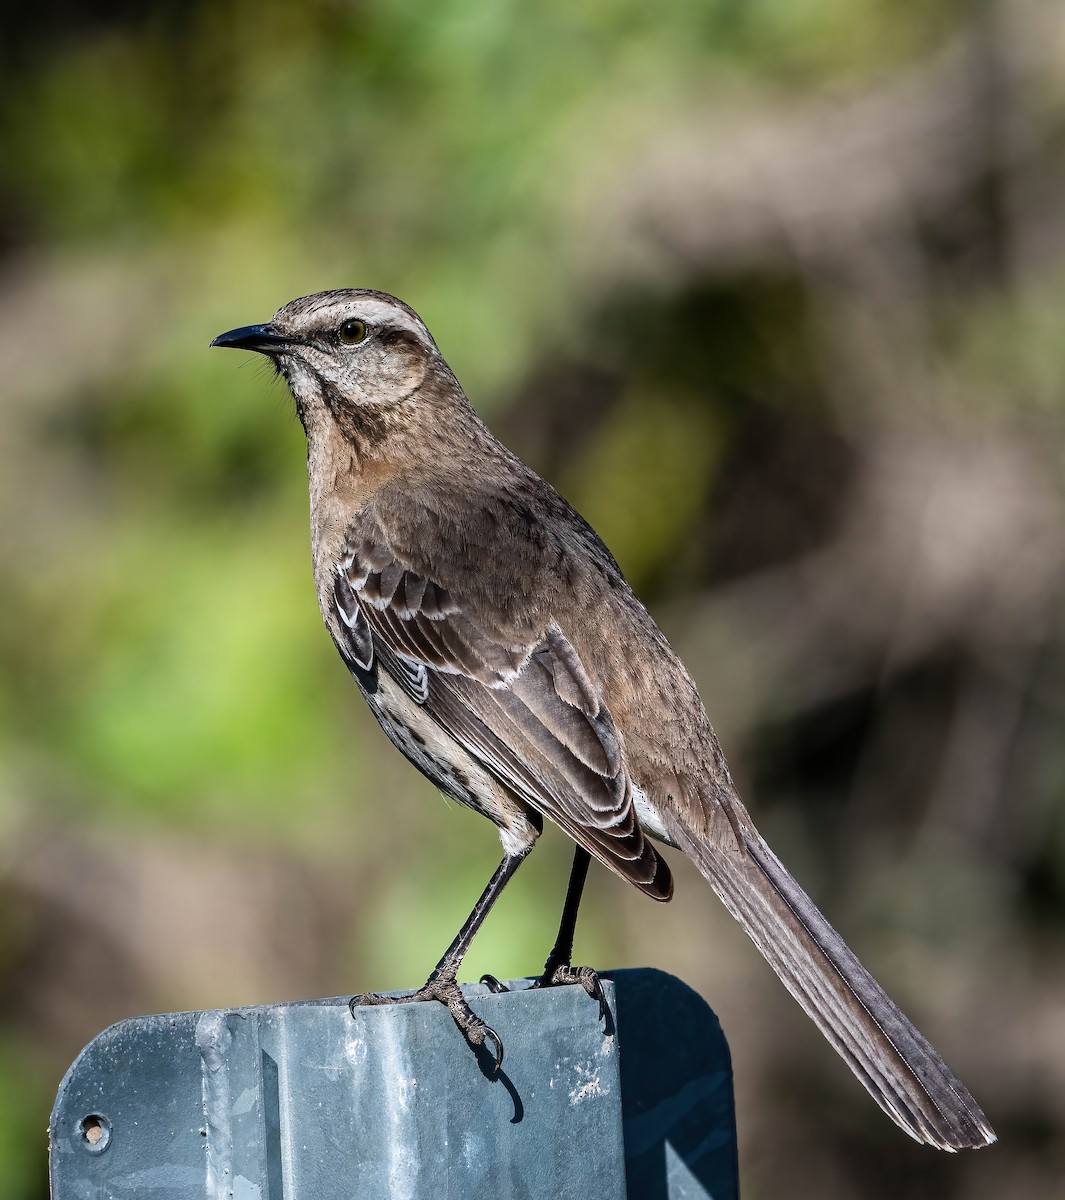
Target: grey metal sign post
[(301, 1102)]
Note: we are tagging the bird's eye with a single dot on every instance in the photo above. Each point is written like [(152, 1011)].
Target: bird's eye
[(352, 332)]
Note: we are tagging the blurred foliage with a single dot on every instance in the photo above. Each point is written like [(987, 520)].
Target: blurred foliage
[(746, 420)]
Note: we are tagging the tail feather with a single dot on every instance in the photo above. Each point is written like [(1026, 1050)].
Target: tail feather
[(897, 1065)]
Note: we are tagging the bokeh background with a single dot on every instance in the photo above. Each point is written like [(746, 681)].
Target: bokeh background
[(772, 290)]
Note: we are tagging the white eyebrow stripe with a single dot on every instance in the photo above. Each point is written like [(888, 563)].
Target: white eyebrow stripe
[(373, 312)]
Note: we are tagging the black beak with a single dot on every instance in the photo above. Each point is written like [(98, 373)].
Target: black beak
[(262, 338)]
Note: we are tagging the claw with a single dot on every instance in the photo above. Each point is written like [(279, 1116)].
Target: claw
[(489, 1032), (493, 984), (592, 984), (367, 1000), (604, 1008)]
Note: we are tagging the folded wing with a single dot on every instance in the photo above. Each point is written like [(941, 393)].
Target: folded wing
[(527, 712)]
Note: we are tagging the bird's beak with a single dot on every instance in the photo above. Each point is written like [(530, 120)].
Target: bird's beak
[(262, 338)]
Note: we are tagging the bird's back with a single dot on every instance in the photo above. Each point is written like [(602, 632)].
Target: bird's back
[(517, 556)]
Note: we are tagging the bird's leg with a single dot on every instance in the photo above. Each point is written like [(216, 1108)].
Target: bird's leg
[(558, 969), (442, 984)]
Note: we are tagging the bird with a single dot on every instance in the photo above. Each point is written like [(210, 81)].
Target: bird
[(503, 652)]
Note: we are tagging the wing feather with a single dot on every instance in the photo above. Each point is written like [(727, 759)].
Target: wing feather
[(528, 713)]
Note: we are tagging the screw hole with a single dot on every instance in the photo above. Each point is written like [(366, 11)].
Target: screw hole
[(95, 1132)]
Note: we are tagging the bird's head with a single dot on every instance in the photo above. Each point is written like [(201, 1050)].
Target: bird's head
[(348, 356)]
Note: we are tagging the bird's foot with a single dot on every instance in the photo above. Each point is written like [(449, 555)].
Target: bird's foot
[(558, 974), (445, 990)]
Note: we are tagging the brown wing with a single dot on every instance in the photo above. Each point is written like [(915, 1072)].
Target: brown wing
[(528, 713)]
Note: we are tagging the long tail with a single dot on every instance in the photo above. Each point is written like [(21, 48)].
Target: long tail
[(903, 1073)]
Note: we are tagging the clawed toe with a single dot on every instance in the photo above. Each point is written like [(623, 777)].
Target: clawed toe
[(476, 1031), (369, 999), (445, 990), (560, 974), (489, 1035), (493, 985)]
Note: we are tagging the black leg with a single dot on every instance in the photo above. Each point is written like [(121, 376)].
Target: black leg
[(442, 984), (448, 966), (562, 953), (558, 969)]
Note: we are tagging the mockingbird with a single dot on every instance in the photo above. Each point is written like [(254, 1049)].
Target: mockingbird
[(502, 651)]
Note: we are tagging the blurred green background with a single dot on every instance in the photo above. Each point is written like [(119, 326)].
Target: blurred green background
[(772, 290)]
